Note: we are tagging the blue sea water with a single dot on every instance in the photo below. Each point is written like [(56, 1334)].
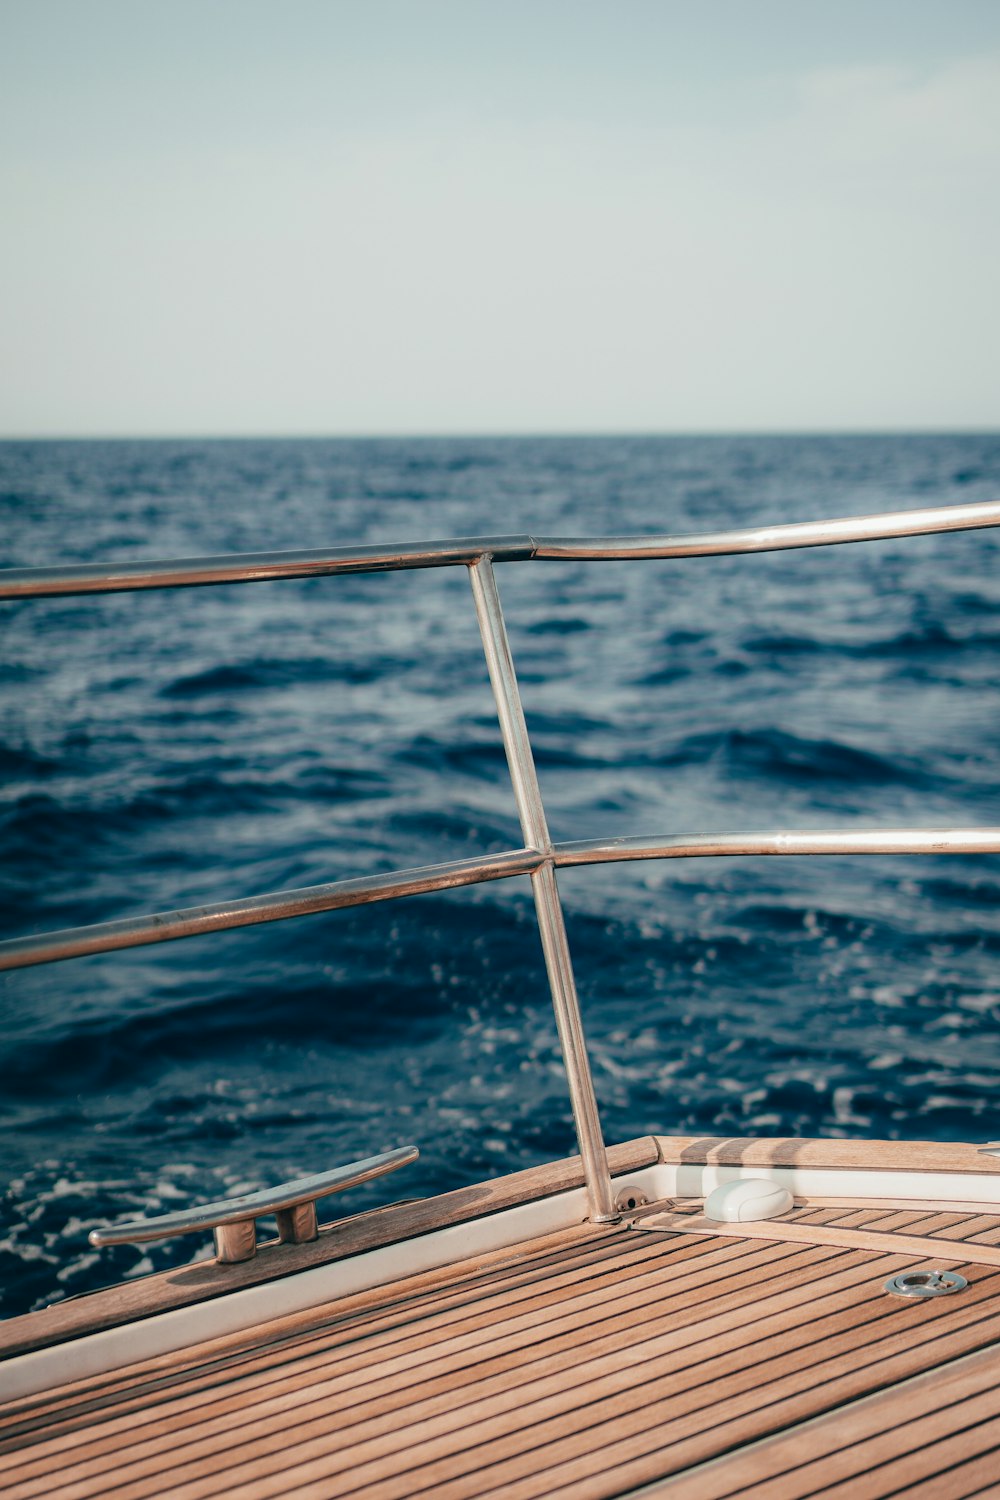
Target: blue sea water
[(170, 748)]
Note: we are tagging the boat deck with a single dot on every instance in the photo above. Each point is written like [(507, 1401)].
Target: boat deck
[(763, 1360)]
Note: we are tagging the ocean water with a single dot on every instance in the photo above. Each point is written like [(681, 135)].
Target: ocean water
[(171, 748)]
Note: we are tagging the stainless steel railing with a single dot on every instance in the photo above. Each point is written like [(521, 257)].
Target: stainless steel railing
[(260, 567), (540, 858)]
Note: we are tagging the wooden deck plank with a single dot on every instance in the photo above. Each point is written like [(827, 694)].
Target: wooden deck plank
[(698, 1290), (969, 1228), (940, 1224), (969, 1205), (548, 1399), (508, 1390), (968, 1225), (342, 1321), (976, 1477), (643, 1452), (577, 1449), (950, 1253), (452, 1283), (843, 1155), (844, 1218), (988, 1235), (626, 1411), (907, 1219), (581, 1365), (315, 1330), (825, 1448), (250, 1379), (931, 1462)]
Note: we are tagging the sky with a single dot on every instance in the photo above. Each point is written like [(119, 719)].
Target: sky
[(325, 217)]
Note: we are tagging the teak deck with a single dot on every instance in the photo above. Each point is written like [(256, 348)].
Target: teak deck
[(588, 1363)]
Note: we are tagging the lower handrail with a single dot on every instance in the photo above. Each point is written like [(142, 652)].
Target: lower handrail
[(220, 916), (192, 921)]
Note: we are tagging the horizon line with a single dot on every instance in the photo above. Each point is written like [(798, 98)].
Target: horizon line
[(474, 434)]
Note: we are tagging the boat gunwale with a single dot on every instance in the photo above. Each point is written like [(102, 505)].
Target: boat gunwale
[(708, 1158)]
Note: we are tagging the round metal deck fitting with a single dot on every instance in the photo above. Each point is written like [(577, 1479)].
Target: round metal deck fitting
[(925, 1283), (629, 1199)]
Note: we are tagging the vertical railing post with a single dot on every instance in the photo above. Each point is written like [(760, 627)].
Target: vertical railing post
[(555, 947)]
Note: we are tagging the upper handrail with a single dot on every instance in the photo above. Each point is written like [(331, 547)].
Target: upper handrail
[(818, 841), (256, 567), (261, 567), (838, 529)]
